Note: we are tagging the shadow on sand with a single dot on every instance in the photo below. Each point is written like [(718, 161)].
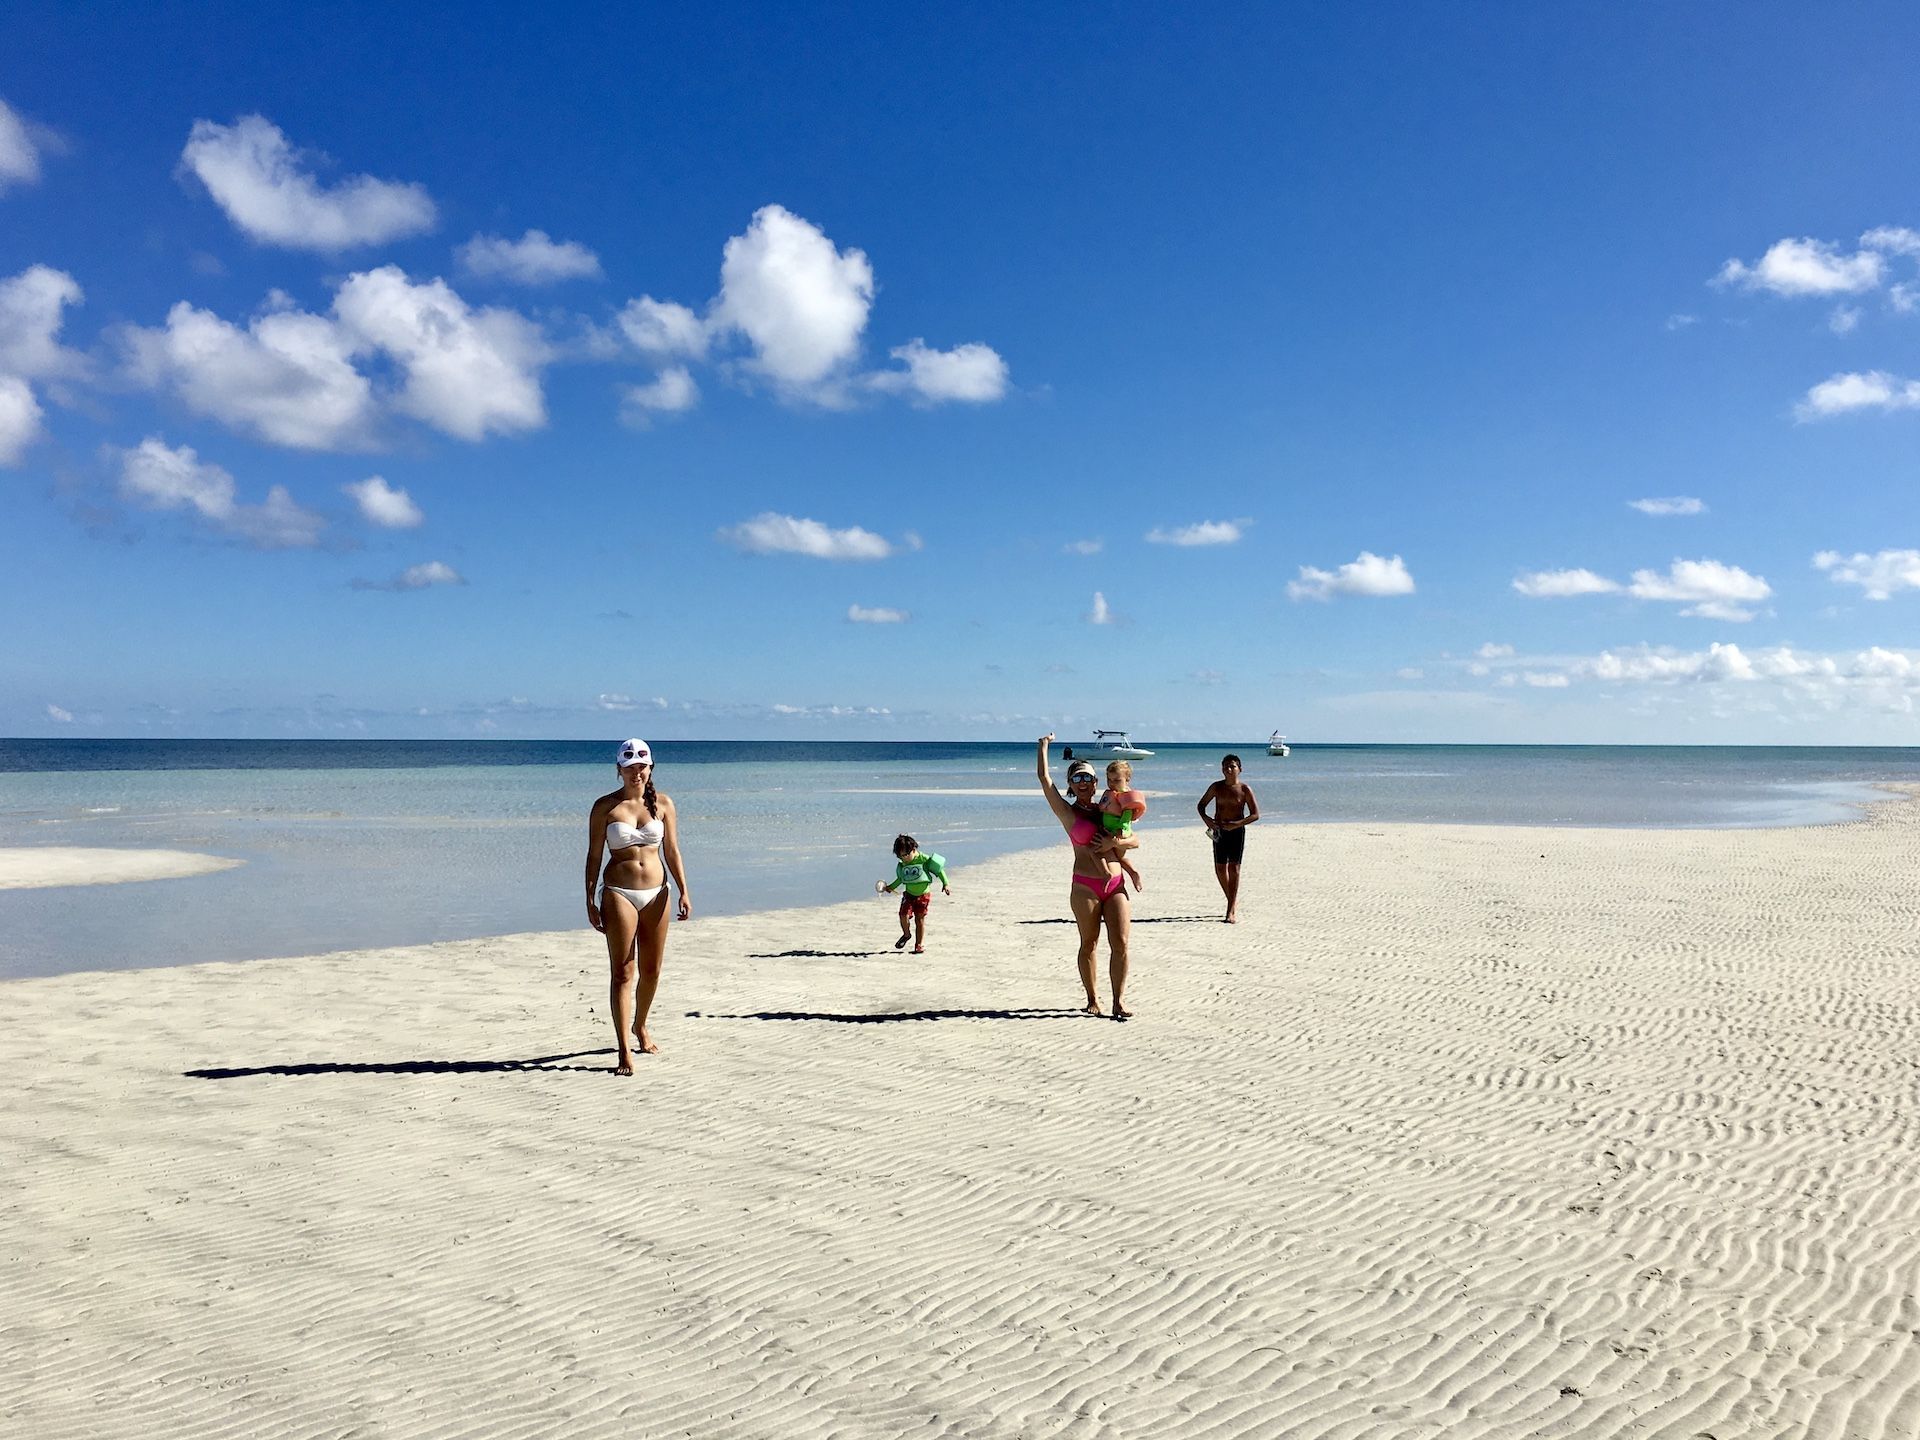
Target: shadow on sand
[(886, 1017), (403, 1067), (815, 954), (1137, 920)]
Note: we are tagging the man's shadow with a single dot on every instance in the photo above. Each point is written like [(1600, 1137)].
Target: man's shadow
[(1137, 920), (401, 1067)]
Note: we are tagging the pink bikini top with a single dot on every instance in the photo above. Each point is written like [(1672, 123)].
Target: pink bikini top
[(1083, 831)]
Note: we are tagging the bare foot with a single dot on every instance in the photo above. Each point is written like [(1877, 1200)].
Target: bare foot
[(1120, 1012), (647, 1046), (1092, 1007), (1232, 918), (919, 949), (625, 1067)]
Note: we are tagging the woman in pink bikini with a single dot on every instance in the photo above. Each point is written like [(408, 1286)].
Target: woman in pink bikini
[(1098, 893)]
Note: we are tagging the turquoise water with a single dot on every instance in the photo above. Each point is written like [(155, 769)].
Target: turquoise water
[(352, 844)]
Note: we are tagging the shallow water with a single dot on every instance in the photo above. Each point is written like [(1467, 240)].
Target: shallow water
[(357, 844)]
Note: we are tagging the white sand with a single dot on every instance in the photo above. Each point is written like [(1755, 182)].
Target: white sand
[(34, 866), (1465, 1132)]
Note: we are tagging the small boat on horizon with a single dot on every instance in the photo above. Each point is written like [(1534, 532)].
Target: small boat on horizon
[(1277, 745), (1109, 745)]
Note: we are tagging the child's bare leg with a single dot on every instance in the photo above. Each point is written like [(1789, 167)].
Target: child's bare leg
[(1133, 875), (919, 932)]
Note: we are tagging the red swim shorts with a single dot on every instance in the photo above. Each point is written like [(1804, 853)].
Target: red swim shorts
[(916, 905)]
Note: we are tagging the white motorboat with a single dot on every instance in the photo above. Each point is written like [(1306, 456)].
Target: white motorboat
[(1109, 745), (1277, 745)]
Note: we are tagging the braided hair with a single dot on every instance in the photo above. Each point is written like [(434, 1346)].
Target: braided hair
[(652, 804)]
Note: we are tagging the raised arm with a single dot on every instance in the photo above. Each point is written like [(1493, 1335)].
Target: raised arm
[(670, 852), (1062, 811)]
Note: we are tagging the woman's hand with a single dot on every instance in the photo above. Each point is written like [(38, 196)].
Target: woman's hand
[(593, 918), (1047, 739), (686, 908)]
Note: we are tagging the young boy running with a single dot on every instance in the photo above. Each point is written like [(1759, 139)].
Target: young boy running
[(1234, 808), (913, 876)]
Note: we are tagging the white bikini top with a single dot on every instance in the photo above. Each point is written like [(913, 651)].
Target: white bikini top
[(620, 834)]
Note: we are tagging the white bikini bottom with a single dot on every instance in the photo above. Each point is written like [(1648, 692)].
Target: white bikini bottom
[(639, 899)]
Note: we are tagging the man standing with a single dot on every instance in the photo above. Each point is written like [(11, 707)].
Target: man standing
[(1234, 808)]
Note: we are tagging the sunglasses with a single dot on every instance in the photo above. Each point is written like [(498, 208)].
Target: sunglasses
[(1081, 779)]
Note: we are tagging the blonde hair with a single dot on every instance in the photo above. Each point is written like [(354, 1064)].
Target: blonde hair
[(1121, 768)]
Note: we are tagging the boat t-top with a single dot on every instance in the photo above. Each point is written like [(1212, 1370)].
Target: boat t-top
[(1277, 745), (1109, 745)]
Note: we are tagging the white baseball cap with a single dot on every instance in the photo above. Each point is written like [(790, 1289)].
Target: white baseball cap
[(634, 752)]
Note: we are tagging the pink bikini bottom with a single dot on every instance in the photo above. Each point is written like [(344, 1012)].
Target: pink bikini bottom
[(1105, 886)]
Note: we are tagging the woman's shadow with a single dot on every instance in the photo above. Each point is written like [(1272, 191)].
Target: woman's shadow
[(401, 1067)]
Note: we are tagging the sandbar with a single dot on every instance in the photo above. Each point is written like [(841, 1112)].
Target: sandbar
[(31, 867)]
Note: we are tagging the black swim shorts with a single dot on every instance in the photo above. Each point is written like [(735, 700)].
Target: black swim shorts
[(1229, 846)]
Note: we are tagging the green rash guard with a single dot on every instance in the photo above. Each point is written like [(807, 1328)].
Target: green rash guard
[(916, 876)]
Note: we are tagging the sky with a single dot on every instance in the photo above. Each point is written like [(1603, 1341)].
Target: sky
[(1386, 372)]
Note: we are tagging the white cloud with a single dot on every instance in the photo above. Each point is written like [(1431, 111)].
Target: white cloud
[(1545, 680), (1896, 239), (1710, 590), (30, 318), (670, 392), (627, 702), (1806, 267), (21, 145), (162, 479), (534, 259), (770, 534), (1101, 614), (1880, 575), (468, 372), (19, 419), (801, 303), (256, 177), (380, 504), (1492, 651), (1904, 297), (1670, 505), (1369, 574), (1843, 319), (879, 615), (287, 378), (973, 373), (1858, 390), (1084, 547), (1681, 322), (416, 577), (1206, 532), (58, 715), (1558, 584), (663, 330)]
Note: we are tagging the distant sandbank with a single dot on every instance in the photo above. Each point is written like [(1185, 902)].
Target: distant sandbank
[(33, 867)]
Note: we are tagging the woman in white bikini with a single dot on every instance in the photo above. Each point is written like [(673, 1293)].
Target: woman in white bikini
[(638, 830)]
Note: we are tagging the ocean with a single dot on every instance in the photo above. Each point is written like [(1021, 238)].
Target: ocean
[(350, 844)]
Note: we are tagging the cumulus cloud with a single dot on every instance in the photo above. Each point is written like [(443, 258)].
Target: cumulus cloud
[(878, 615), (1545, 680), (800, 302), (1670, 505), (287, 378), (1806, 267), (1205, 532), (1559, 584), (416, 577), (1493, 651), (769, 533), (1369, 574), (468, 372), (1709, 589), (534, 259), (663, 330), (669, 393), (380, 504), (1895, 239), (971, 373), (1858, 390), (1880, 574), (59, 715), (1843, 319), (1102, 613), (31, 314), (21, 142), (159, 478), (258, 179), (1084, 547), (19, 419)]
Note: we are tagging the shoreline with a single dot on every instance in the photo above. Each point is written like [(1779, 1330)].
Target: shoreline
[(1483, 1129)]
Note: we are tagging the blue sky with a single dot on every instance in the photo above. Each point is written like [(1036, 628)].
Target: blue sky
[(855, 371)]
